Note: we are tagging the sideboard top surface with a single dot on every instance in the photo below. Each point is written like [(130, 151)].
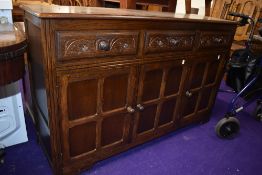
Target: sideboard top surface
[(56, 11)]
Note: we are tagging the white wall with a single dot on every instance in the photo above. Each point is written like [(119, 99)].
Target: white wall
[(180, 8)]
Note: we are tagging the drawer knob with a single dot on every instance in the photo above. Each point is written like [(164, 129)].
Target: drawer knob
[(125, 45), (130, 110), (104, 45), (140, 107), (188, 94)]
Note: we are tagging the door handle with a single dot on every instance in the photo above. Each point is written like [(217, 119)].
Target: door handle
[(188, 94), (140, 107), (130, 110)]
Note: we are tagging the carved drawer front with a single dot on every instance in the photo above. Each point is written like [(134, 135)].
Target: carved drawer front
[(169, 41), (90, 44), (214, 40)]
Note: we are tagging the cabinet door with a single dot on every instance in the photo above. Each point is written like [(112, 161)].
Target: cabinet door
[(93, 107), (201, 87), (158, 90)]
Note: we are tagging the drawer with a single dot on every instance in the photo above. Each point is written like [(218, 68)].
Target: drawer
[(214, 40), (91, 44), (169, 41)]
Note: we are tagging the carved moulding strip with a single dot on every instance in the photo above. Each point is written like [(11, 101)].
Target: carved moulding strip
[(73, 45), (214, 40), (169, 41)]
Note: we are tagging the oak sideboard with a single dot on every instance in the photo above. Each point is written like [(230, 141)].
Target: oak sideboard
[(105, 80)]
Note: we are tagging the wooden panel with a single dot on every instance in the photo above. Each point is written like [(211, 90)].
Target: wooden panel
[(169, 41), (115, 91), (212, 71), (207, 7), (189, 104), (147, 119), (173, 79), (165, 79), (205, 98), (188, 6), (197, 75), (90, 44), (112, 129), (82, 96), (82, 139), (167, 112), (172, 6), (128, 4), (201, 86), (37, 72), (152, 83)]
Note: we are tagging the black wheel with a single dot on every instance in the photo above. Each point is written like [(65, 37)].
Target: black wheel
[(227, 127), (258, 112)]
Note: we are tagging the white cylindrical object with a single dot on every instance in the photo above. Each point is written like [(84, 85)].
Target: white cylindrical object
[(6, 7), (12, 121)]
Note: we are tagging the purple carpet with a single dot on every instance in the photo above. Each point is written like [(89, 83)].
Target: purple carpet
[(195, 150)]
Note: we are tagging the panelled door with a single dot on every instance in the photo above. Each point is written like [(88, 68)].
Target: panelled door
[(93, 109), (157, 97), (201, 86)]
